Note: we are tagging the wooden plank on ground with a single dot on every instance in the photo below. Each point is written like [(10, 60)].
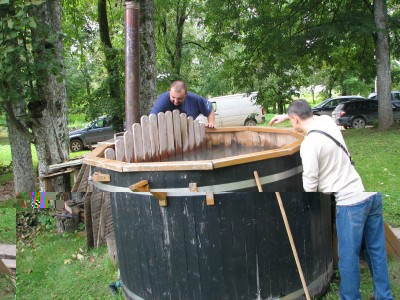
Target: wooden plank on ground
[(119, 150), (109, 153), (170, 134), (10, 263), (154, 141), (190, 134), (176, 119), (4, 269), (184, 133), (138, 142), (162, 135), (392, 243), (197, 137), (128, 143), (145, 123), (8, 251)]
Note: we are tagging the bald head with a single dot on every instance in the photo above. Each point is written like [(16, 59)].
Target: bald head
[(178, 86)]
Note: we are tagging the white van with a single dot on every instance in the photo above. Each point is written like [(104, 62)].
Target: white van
[(236, 110)]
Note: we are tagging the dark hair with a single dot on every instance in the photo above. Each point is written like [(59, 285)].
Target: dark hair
[(179, 85), (300, 108)]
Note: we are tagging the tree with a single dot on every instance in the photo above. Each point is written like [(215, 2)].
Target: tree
[(382, 48), (37, 76)]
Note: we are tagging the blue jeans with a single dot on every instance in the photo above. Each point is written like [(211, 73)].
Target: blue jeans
[(355, 224)]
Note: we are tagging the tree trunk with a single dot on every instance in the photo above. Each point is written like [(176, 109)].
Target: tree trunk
[(50, 123), (148, 75), (382, 48), (111, 63), (24, 175)]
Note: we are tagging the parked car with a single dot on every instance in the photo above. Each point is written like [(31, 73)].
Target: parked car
[(395, 96), (327, 106), (358, 113), (98, 130), (236, 110)]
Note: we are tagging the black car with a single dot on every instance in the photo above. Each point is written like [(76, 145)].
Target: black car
[(358, 113), (327, 106), (395, 96), (96, 131)]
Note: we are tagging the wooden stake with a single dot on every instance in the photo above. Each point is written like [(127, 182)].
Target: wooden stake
[(296, 257), (285, 220)]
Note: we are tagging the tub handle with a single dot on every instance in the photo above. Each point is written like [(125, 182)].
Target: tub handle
[(143, 186)]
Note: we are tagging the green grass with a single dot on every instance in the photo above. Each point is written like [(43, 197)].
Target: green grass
[(7, 288), (49, 266), (7, 225)]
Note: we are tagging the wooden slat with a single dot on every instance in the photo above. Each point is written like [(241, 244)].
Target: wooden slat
[(109, 153), (88, 220), (162, 135), (202, 135), (138, 142), (128, 143), (10, 263), (83, 184), (79, 178), (119, 150), (184, 133), (145, 123), (197, 137), (170, 134), (190, 134), (177, 131), (155, 142)]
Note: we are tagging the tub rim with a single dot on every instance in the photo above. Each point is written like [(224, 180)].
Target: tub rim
[(94, 159)]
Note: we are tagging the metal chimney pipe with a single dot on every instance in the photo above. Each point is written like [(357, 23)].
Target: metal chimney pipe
[(132, 83)]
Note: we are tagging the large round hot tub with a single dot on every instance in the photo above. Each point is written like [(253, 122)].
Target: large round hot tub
[(236, 248)]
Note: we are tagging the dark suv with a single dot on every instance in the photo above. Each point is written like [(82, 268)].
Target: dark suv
[(358, 113), (96, 131), (327, 106)]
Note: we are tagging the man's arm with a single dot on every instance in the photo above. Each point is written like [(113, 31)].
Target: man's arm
[(278, 119), (309, 159), (211, 119)]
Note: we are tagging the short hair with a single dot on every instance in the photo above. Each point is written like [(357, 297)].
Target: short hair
[(179, 85), (300, 108)]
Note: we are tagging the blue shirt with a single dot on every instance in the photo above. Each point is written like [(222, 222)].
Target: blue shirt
[(192, 106)]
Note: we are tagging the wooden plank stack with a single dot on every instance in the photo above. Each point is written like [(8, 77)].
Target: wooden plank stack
[(158, 138)]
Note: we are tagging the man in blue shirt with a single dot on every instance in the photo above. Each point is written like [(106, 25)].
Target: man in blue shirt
[(186, 102)]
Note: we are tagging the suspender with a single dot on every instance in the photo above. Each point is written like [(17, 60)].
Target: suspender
[(336, 142)]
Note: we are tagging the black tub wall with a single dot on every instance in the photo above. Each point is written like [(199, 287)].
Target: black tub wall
[(236, 249)]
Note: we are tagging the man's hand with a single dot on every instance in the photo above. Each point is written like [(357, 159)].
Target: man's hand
[(210, 125), (278, 119)]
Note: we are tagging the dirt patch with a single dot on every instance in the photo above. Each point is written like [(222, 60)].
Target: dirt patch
[(7, 191)]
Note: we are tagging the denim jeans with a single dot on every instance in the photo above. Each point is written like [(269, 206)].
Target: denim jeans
[(355, 224)]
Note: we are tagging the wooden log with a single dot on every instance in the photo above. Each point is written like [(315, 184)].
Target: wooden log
[(145, 123), (109, 153), (176, 119), (184, 133), (392, 243), (197, 137), (170, 134), (129, 148), (138, 142), (154, 140), (190, 134), (162, 135), (120, 150)]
